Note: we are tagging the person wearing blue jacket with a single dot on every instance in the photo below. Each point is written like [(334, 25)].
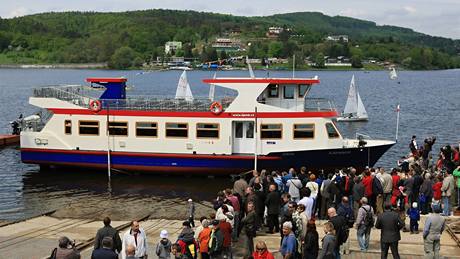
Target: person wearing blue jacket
[(414, 216)]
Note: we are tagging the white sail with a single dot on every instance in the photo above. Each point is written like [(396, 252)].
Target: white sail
[(361, 111), (354, 108), (393, 74), (183, 90), (351, 106)]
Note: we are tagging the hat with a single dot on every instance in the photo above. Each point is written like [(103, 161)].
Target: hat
[(215, 222), (287, 224), (221, 217), (164, 233), (414, 205), (190, 200)]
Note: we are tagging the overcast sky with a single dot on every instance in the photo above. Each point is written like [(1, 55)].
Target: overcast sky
[(433, 17)]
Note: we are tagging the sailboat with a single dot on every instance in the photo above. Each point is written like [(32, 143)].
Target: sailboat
[(183, 90), (354, 108), (393, 74)]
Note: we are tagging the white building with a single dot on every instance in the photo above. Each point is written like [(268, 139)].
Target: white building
[(172, 46)]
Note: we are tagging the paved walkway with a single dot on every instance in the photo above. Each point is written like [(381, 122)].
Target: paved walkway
[(35, 238)]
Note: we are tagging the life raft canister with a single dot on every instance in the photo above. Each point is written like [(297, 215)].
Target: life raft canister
[(95, 105), (216, 108)]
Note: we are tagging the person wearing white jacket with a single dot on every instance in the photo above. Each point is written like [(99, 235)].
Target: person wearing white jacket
[(136, 237)]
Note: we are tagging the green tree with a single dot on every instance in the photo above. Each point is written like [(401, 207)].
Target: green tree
[(122, 58), (274, 49), (319, 60), (356, 61)]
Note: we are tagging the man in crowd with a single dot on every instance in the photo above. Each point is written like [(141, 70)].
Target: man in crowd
[(364, 224), (288, 244), (105, 251), (434, 225), (273, 203), (108, 231), (390, 225), (340, 227), (136, 237)]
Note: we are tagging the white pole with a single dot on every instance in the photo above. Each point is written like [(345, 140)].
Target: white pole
[(293, 66), (397, 121), (109, 173), (255, 138)]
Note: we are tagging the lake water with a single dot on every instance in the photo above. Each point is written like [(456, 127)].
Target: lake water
[(429, 106)]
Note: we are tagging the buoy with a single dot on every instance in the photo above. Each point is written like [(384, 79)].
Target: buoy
[(216, 108), (95, 105)]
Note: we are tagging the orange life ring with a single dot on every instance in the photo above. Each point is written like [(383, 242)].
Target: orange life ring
[(216, 108), (95, 105)]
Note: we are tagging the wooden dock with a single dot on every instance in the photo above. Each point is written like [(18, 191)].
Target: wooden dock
[(7, 140)]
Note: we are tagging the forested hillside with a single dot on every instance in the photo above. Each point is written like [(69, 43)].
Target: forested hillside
[(139, 36)]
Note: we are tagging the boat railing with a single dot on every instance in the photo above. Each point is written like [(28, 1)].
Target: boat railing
[(319, 104), (81, 96)]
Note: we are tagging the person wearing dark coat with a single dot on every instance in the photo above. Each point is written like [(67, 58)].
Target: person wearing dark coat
[(427, 191), (105, 252), (108, 231), (273, 203), (259, 203), (390, 225), (249, 226), (358, 193), (311, 242)]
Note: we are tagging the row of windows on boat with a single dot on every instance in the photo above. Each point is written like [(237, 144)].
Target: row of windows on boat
[(203, 130)]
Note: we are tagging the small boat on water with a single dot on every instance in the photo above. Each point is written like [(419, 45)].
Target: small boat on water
[(183, 90), (354, 108), (270, 124), (393, 74)]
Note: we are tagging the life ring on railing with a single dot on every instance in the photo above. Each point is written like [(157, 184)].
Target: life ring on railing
[(95, 105), (216, 108)]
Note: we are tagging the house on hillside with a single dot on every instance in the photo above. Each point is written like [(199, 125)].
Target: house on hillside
[(226, 44), (274, 32), (337, 38), (172, 46)]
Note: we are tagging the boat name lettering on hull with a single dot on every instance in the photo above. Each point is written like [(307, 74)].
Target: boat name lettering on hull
[(340, 152)]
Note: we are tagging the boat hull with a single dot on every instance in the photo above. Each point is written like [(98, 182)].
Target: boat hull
[(347, 119), (206, 164)]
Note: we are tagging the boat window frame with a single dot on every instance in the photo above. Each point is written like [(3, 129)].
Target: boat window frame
[(303, 138), (306, 90), (176, 137), (277, 86), (147, 136), (117, 135), (265, 130), (293, 93), (197, 128), (334, 127), (67, 127), (90, 126)]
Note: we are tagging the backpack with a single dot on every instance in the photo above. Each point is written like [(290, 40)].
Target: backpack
[(368, 218), (377, 187), (343, 234)]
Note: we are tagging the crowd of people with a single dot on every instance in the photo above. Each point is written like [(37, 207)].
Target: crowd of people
[(292, 203)]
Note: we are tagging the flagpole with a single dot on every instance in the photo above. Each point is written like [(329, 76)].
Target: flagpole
[(255, 139), (397, 121)]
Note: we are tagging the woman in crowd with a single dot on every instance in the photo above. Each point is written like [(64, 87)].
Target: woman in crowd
[(329, 242), (311, 242)]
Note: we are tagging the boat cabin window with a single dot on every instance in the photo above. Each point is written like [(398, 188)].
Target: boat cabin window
[(303, 89), (146, 129), (68, 127), (289, 92), (271, 131), (88, 127), (304, 131), (332, 131), (250, 130), (238, 130), (118, 128), (176, 130), (273, 91), (207, 130)]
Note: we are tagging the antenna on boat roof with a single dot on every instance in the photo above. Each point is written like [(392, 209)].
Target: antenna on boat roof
[(251, 72), (293, 66)]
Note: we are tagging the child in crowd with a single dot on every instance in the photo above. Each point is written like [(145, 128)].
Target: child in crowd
[(163, 248), (414, 216)]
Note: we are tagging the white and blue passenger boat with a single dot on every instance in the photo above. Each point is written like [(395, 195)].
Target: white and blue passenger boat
[(270, 123)]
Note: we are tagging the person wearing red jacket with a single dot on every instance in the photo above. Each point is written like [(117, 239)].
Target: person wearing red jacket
[(437, 193), (262, 251), (367, 182)]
